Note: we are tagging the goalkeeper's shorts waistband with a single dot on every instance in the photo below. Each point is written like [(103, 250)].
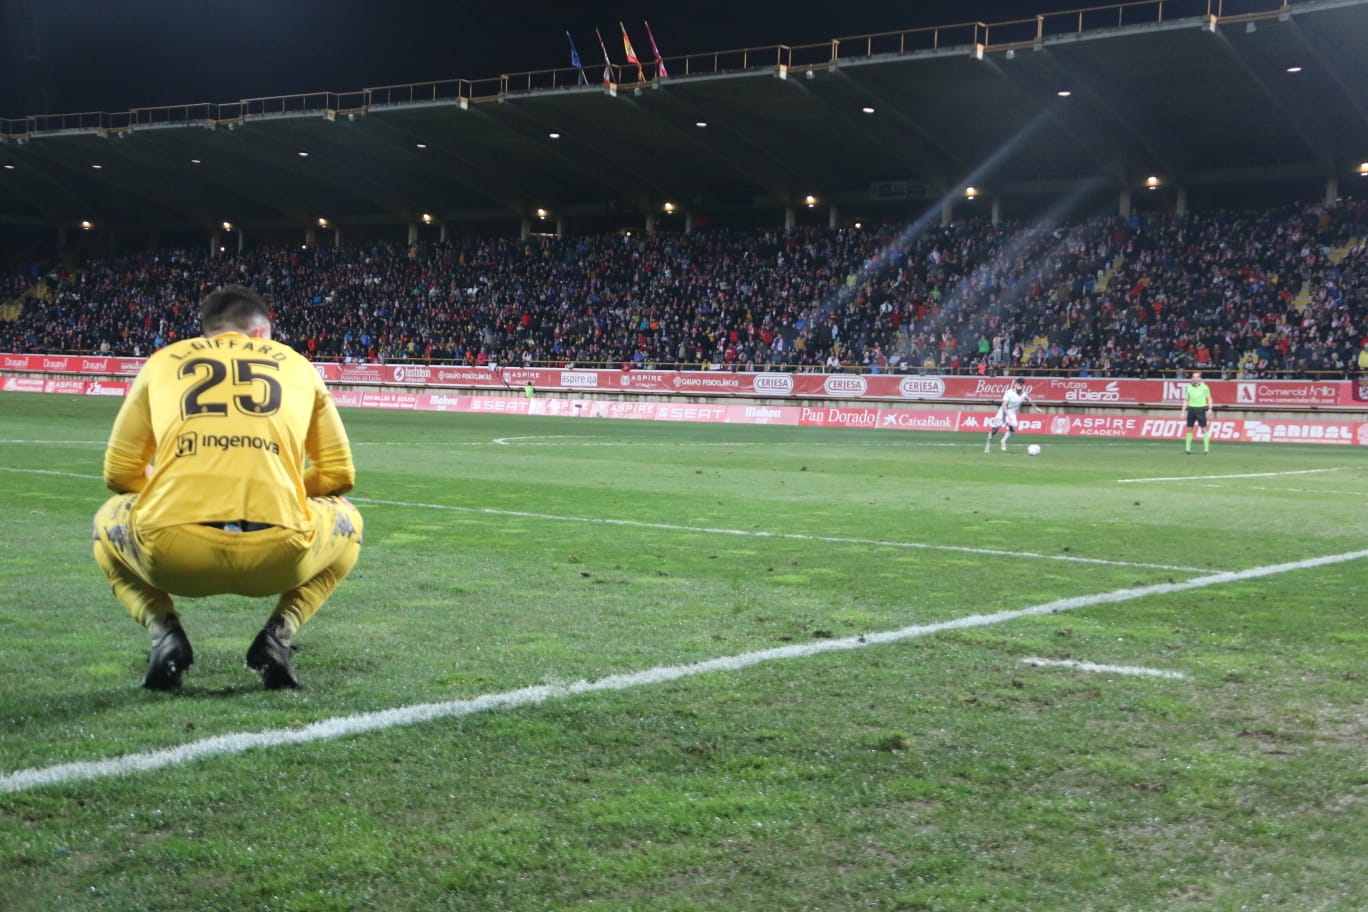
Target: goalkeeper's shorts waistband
[(239, 525)]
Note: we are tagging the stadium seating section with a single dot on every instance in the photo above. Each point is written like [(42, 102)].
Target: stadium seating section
[(1268, 293)]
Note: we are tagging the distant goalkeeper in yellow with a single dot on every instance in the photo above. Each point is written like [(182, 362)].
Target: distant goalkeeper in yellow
[(228, 460)]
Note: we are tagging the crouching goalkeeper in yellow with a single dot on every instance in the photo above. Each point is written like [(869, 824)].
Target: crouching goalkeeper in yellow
[(213, 494)]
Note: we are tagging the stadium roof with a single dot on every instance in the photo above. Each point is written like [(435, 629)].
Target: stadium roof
[(1186, 91)]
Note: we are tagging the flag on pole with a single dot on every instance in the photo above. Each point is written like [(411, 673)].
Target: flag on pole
[(660, 64), (607, 64), (631, 54), (575, 59)]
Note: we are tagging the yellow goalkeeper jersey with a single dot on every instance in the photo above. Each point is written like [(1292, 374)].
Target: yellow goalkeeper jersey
[(235, 428)]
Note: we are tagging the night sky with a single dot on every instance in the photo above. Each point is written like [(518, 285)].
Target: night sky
[(96, 55)]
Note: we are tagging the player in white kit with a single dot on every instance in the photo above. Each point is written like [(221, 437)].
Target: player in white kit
[(1007, 413)]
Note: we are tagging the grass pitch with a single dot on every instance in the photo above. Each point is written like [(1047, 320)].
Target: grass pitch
[(597, 665)]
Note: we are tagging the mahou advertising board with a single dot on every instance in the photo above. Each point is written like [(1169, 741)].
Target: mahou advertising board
[(915, 387), (434, 388), (884, 418), (1079, 391), (1065, 391)]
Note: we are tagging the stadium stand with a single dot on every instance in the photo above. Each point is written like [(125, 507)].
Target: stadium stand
[(1081, 111), (1268, 293)]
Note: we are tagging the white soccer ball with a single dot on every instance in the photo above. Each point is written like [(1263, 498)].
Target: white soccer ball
[(1033, 449)]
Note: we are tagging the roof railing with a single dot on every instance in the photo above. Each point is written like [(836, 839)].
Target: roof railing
[(781, 58), (444, 91)]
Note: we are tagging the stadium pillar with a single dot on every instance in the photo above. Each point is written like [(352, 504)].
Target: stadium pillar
[(997, 211), (688, 222), (443, 228), (833, 216), (311, 237), (526, 229), (790, 218), (1125, 204), (337, 237), (650, 224), (1180, 203), (560, 226), (413, 233), (215, 241), (1331, 190), (947, 213)]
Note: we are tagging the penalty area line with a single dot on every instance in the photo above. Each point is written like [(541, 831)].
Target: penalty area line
[(1222, 477), (778, 536), (348, 726), (671, 527)]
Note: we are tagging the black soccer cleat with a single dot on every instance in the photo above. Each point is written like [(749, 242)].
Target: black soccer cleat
[(171, 656), (270, 656)]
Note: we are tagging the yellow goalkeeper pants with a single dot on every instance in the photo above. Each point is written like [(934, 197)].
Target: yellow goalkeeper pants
[(148, 566)]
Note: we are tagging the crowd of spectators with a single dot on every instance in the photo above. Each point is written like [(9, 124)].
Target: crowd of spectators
[(1269, 293)]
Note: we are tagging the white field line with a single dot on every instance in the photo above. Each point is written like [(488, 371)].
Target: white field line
[(596, 442), (509, 441), (1329, 491), (669, 527), (102, 443), (49, 472), (1223, 477), (559, 440), (550, 440), (1104, 669), (785, 536), (81, 443), (347, 726)]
